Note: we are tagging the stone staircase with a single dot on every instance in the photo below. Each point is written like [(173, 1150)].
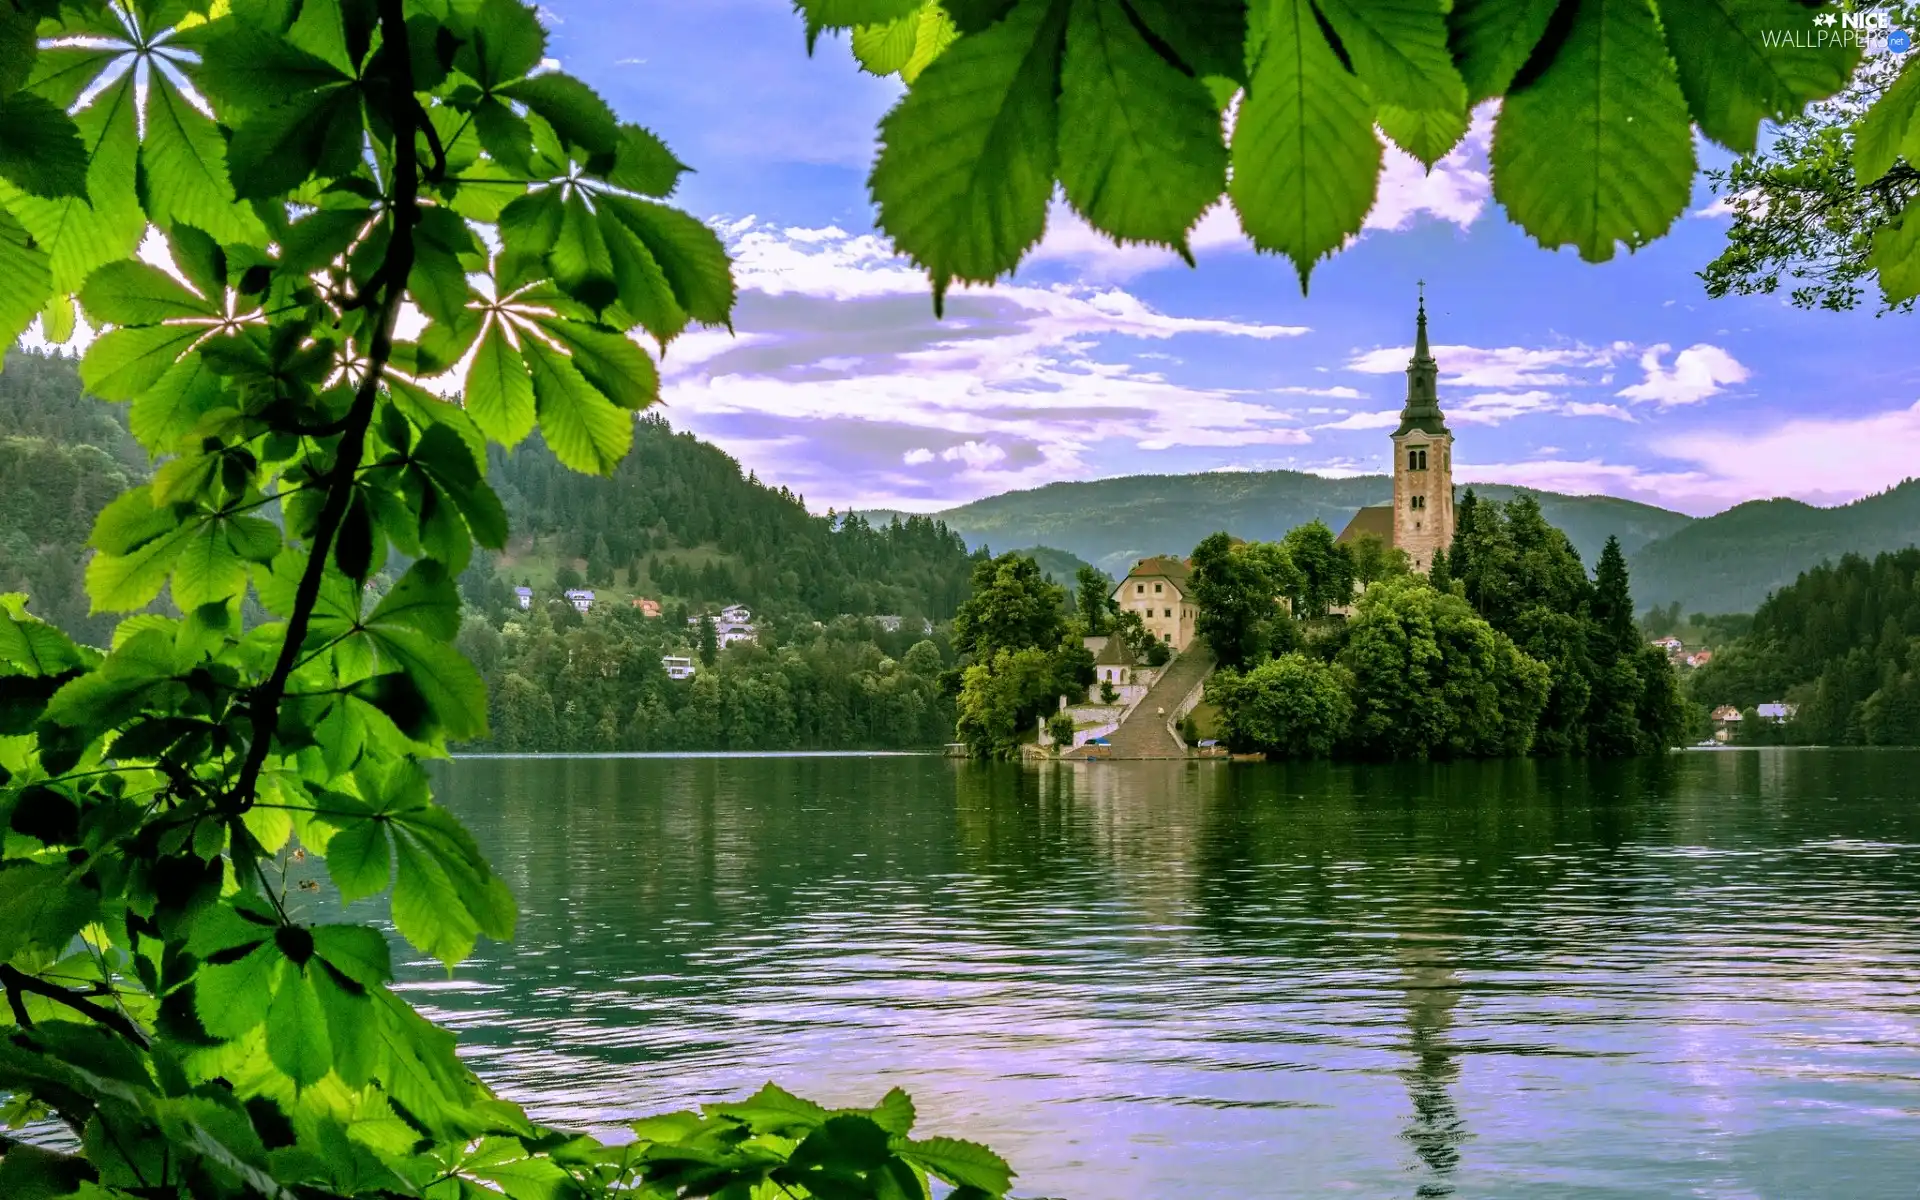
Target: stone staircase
[(1144, 732)]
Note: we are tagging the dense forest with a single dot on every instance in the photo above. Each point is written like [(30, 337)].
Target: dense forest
[(1841, 644)]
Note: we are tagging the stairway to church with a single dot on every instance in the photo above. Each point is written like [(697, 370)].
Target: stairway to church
[(1144, 733)]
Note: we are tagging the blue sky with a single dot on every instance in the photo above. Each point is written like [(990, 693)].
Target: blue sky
[(1096, 361)]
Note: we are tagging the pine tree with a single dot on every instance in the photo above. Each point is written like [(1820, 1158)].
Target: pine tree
[(1460, 554), (1613, 604), (709, 641)]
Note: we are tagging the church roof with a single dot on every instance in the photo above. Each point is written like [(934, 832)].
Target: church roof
[(1375, 520), (1423, 386), (1162, 566), (1113, 654)]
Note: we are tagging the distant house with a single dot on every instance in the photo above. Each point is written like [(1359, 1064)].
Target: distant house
[(1726, 714), (580, 598), (1699, 658), (734, 624), (1158, 589), (524, 595), (1776, 713), (648, 608), (894, 622), (677, 668), (1672, 645)]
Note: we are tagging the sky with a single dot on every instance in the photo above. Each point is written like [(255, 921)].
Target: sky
[(1095, 361)]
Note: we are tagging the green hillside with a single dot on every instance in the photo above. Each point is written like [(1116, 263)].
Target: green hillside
[(1731, 561), (1113, 522)]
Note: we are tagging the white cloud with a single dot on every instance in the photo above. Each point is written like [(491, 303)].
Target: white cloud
[(1817, 459), (1332, 393), (917, 456), (1500, 367), (1698, 372), (976, 455), (1385, 419)]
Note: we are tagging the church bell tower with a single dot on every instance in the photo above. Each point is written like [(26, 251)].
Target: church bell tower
[(1422, 460)]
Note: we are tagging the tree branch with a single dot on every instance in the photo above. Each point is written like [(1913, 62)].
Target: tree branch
[(17, 982), (403, 207)]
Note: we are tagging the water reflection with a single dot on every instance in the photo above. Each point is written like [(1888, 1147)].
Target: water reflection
[(1697, 975)]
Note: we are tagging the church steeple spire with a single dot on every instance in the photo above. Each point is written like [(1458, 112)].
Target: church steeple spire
[(1423, 382)]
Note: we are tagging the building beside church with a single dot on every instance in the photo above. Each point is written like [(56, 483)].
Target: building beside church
[(1420, 519), (1158, 589)]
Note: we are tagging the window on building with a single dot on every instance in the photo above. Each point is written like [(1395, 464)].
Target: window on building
[(1416, 502), (1167, 636), (1166, 612), (1417, 459), (1157, 589), (1139, 589)]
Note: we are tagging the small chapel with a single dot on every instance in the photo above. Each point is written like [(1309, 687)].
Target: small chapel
[(1420, 519)]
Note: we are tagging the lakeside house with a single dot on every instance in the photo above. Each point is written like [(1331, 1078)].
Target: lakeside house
[(1159, 589), (648, 608), (677, 667), (1776, 713), (524, 595), (580, 598)]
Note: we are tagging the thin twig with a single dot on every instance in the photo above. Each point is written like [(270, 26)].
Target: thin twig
[(17, 981)]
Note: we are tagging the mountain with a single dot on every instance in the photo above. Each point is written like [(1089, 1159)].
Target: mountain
[(1114, 522), (1731, 561)]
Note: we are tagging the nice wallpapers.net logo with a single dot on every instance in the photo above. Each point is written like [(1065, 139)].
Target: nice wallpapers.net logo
[(1872, 32)]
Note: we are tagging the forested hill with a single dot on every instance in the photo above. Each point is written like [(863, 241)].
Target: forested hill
[(1842, 643), (679, 518), (62, 457), (1730, 561), (1114, 522)]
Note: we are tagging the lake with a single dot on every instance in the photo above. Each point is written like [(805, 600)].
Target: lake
[(1696, 976)]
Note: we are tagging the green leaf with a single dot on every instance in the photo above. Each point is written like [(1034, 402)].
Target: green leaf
[(689, 255), (25, 279), (507, 43), (231, 999), (173, 405), (42, 154), (583, 429), (352, 1023), (846, 14), (645, 294), (249, 69), (425, 599), (437, 283), (967, 158), (359, 860), (297, 1030), (1598, 149), (1896, 256), (579, 258), (134, 293), (18, 44), (644, 164), (1305, 159), (31, 645), (184, 162), (82, 235), (40, 906), (126, 362), (576, 111), (1141, 155), (1733, 79), (774, 1110), (454, 692), (1887, 127), (1428, 135), (895, 1113), (277, 149), (1492, 40), (1208, 37), (499, 392), (611, 362), (1399, 50), (359, 953), (444, 895), (964, 1164), (200, 259)]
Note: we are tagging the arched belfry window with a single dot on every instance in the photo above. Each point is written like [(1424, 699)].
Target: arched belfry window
[(1417, 458)]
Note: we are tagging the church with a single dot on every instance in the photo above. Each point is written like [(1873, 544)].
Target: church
[(1420, 519)]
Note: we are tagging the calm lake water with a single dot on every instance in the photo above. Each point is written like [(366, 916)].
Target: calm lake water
[(1695, 977)]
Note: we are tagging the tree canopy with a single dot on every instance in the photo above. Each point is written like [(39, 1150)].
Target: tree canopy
[(1145, 113)]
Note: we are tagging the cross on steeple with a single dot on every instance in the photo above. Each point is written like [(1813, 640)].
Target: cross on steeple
[(1423, 398)]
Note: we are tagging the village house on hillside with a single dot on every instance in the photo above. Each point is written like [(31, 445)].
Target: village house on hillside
[(524, 595), (733, 624), (648, 608), (1159, 590), (580, 598), (1420, 519)]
